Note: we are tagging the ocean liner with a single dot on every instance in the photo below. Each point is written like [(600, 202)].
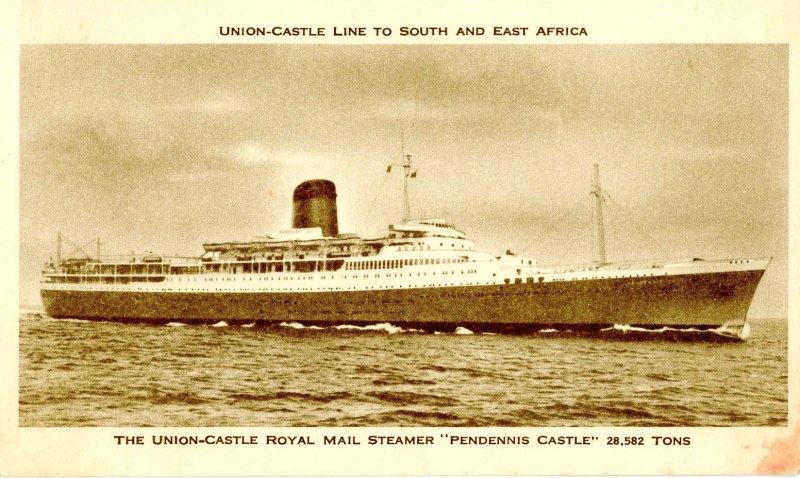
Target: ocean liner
[(423, 274)]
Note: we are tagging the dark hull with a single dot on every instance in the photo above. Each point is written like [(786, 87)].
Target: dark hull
[(700, 301)]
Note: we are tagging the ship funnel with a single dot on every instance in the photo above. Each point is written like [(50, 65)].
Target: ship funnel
[(314, 205)]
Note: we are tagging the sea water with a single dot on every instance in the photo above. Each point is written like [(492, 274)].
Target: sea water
[(96, 373)]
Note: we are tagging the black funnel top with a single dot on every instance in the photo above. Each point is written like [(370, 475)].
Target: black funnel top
[(314, 188), (314, 205)]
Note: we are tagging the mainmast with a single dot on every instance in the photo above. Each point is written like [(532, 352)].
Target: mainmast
[(408, 173), (598, 206)]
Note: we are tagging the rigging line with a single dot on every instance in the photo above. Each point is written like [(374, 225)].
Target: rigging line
[(368, 216), (79, 248), (67, 239), (588, 235), (592, 239), (570, 212), (567, 213), (650, 242), (75, 245)]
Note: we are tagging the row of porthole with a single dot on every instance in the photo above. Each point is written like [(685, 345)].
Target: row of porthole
[(308, 290), (353, 288), (428, 285), (354, 276), (303, 289), (427, 247), (209, 289), (606, 277)]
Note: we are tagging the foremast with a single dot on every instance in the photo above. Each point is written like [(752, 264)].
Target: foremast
[(408, 173), (599, 197)]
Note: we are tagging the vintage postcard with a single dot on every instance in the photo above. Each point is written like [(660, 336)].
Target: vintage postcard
[(342, 238)]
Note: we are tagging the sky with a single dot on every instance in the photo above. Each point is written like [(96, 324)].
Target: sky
[(163, 147)]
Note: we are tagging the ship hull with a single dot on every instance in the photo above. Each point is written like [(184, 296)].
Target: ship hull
[(693, 301)]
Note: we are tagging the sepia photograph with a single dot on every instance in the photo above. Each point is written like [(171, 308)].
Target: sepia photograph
[(465, 235), (251, 238)]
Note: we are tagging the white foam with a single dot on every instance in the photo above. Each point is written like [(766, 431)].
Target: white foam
[(176, 324), (463, 331), (221, 323), (33, 316), (745, 331), (629, 328), (298, 326), (382, 327), (31, 311), (733, 329), (247, 326), (550, 331)]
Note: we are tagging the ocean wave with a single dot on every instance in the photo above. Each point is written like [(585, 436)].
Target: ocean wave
[(74, 321), (727, 330), (722, 333), (382, 327), (390, 381), (625, 409), (434, 367), (649, 388), (632, 328), (23, 310), (408, 417), (285, 395), (247, 326), (32, 316), (221, 323), (461, 331), (299, 326), (411, 377), (165, 398), (412, 398), (548, 331), (469, 371), (176, 324)]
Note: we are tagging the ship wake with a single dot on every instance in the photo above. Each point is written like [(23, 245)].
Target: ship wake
[(726, 331), (384, 327), (733, 331)]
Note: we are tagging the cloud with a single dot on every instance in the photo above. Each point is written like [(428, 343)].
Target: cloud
[(405, 109), (251, 153), (215, 103)]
